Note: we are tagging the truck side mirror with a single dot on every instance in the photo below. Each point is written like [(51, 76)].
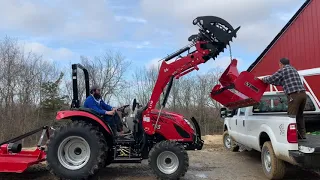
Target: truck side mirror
[(224, 112)]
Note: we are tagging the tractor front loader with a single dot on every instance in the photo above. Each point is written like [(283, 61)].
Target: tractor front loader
[(81, 148)]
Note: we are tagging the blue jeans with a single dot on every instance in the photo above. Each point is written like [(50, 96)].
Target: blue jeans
[(111, 123)]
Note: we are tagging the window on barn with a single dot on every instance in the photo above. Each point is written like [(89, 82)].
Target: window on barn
[(278, 103)]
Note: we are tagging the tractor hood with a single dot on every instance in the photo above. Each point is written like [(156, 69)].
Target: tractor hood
[(176, 118), (167, 113)]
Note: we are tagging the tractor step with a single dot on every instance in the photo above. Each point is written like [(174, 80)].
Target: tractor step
[(126, 160), (124, 141)]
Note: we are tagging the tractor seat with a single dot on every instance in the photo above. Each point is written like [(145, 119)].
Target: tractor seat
[(93, 113), (90, 111), (96, 114)]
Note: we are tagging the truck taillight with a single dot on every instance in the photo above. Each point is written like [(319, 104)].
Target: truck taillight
[(292, 133)]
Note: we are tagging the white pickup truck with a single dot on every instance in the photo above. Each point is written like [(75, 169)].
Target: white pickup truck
[(267, 128)]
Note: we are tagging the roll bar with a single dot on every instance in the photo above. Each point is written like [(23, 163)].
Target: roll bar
[(75, 101)]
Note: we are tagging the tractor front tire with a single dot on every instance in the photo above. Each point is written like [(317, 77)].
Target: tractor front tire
[(76, 151), (168, 160)]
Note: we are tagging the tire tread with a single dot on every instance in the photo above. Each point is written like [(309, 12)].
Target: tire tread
[(168, 145), (234, 147), (99, 162), (278, 166)]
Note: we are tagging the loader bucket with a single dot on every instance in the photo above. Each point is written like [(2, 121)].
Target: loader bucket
[(230, 74), (238, 90)]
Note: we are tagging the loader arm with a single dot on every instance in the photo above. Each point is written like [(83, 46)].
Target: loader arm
[(214, 35)]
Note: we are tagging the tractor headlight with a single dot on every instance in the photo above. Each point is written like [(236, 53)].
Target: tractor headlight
[(187, 121)]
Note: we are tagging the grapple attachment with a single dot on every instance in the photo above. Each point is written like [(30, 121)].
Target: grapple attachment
[(238, 90), (215, 30)]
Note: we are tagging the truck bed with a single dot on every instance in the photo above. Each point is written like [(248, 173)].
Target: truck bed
[(312, 141)]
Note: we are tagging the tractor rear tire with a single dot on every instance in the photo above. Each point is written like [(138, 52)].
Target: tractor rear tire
[(168, 160), (109, 158), (76, 151)]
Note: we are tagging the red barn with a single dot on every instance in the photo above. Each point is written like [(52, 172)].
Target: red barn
[(299, 40)]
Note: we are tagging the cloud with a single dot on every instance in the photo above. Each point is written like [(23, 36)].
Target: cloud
[(224, 61), (48, 54), (130, 19), (58, 19), (119, 7), (256, 18), (220, 64), (131, 44), (154, 63)]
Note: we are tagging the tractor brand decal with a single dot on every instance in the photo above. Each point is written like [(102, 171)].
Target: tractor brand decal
[(146, 119), (150, 104), (158, 126), (252, 86)]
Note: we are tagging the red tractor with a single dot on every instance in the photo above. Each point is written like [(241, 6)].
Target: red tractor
[(81, 148)]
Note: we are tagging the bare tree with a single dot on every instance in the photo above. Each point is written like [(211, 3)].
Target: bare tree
[(143, 83), (107, 71), (21, 75)]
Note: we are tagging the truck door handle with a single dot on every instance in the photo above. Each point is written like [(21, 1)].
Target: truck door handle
[(236, 121), (243, 123)]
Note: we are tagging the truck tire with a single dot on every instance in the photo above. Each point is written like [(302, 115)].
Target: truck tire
[(168, 160), (229, 143), (273, 167), (76, 151)]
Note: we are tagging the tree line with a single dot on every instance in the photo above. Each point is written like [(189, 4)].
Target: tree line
[(32, 89)]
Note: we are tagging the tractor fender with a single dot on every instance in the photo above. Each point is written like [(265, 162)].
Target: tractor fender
[(69, 114)]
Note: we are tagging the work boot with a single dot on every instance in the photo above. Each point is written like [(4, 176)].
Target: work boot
[(302, 134)]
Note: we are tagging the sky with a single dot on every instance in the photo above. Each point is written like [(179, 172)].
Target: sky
[(144, 31)]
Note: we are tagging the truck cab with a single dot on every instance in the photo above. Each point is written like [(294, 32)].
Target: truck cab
[(266, 127)]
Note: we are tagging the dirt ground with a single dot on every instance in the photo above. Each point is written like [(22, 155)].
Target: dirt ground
[(211, 163)]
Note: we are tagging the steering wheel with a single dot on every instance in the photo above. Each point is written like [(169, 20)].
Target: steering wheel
[(134, 104), (122, 108)]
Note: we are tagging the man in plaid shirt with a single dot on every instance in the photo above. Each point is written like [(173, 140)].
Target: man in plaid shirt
[(288, 77)]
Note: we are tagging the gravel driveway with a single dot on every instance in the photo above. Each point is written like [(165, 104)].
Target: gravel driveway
[(212, 163)]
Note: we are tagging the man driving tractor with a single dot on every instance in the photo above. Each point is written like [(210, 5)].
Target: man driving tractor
[(95, 103)]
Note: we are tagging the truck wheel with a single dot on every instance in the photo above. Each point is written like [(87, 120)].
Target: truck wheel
[(76, 151), (168, 160), (229, 143), (273, 167)]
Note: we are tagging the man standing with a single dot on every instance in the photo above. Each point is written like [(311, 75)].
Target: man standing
[(287, 77)]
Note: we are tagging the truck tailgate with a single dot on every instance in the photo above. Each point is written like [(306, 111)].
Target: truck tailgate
[(312, 141), (308, 155)]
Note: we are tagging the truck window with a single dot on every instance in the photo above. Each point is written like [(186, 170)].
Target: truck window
[(242, 111), (278, 103)]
